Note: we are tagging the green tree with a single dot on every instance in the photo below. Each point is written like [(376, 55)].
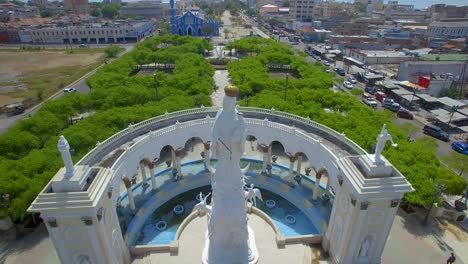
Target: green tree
[(96, 12), (110, 11), (457, 161), (285, 3), (112, 51)]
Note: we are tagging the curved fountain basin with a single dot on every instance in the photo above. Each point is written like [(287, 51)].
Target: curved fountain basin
[(146, 233)]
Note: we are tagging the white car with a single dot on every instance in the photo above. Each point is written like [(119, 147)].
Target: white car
[(352, 80), (69, 90), (348, 85)]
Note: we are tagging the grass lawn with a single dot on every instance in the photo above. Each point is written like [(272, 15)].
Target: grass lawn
[(35, 74), (43, 83)]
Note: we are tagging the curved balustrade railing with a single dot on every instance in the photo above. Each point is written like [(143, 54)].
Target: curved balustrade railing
[(168, 119)]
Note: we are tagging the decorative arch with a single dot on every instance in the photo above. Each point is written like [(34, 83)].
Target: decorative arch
[(189, 31), (165, 154), (277, 148), (199, 32)]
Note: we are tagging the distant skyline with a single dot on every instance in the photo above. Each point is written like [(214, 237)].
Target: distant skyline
[(417, 3)]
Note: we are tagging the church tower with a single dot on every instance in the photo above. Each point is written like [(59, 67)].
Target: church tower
[(173, 19)]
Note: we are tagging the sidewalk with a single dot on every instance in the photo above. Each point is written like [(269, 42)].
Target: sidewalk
[(411, 242)]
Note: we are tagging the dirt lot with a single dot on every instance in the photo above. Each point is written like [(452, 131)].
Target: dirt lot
[(22, 71)]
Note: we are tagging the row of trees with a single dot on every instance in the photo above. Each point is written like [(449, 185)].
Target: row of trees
[(309, 95), (28, 152)]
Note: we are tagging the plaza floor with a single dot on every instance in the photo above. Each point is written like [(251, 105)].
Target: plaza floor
[(192, 242)]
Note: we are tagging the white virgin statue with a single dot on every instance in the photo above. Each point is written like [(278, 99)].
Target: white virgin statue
[(382, 138), (228, 235)]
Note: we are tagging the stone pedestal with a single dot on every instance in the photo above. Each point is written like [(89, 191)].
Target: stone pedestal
[(253, 252), (364, 209)]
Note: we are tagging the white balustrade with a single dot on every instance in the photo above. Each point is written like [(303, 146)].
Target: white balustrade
[(207, 110)]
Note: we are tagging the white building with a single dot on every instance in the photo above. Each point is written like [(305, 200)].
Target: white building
[(92, 33), (378, 56), (303, 9), (448, 29)]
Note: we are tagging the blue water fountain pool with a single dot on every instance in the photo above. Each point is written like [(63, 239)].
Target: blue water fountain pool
[(161, 225), (150, 234)]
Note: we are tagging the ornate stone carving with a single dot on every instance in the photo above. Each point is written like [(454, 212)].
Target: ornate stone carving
[(353, 200), (340, 180), (207, 145), (52, 222), (99, 213), (87, 220), (109, 192), (364, 205)]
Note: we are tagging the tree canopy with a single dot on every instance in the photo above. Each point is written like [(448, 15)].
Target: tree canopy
[(309, 96), (28, 152)]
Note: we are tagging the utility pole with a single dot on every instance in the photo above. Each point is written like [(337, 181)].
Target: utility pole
[(286, 87), (454, 109)]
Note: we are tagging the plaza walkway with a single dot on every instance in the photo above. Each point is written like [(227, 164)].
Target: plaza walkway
[(192, 242)]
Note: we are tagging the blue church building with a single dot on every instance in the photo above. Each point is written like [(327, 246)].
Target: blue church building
[(190, 24)]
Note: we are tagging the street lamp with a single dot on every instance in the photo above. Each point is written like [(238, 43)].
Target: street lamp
[(156, 84), (286, 87), (438, 190)]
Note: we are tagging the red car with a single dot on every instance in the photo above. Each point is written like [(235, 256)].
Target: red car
[(403, 113), (379, 96)]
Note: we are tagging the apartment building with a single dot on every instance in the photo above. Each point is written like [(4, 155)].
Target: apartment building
[(91, 33), (303, 10)]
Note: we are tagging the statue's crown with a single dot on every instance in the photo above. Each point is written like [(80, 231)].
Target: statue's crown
[(231, 90)]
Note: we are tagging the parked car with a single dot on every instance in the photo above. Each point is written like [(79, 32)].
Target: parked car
[(379, 96), (352, 80), (83, 46), (403, 113), (436, 132), (69, 90), (369, 100), (387, 102), (327, 70), (326, 63), (461, 147), (348, 85), (341, 72), (370, 90)]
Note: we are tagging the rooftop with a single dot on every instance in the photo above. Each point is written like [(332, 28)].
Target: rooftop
[(449, 24), (444, 57)]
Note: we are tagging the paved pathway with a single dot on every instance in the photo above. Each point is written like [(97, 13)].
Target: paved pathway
[(221, 79), (192, 241)]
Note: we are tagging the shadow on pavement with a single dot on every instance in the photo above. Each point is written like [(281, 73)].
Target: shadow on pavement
[(12, 242)]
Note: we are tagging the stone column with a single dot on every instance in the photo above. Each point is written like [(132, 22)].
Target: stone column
[(178, 154), (270, 149), (173, 158), (318, 176), (128, 185), (388, 221), (299, 163), (292, 159), (264, 149), (207, 152), (143, 173), (327, 189), (153, 177)]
